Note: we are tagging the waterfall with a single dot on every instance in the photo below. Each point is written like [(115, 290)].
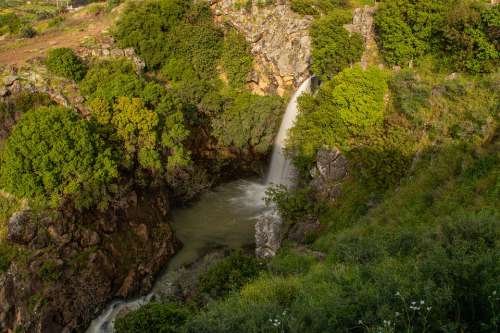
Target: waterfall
[(268, 228), (281, 170)]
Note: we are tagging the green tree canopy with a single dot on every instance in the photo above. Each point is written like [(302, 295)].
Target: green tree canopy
[(350, 105), (52, 154), (248, 122), (64, 62)]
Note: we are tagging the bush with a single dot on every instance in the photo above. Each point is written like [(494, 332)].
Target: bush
[(153, 318), (53, 155), (248, 122), (171, 29), (109, 79), (27, 31), (64, 62), (461, 34), (316, 7), (228, 275), (333, 48), (236, 59), (349, 106), (9, 23)]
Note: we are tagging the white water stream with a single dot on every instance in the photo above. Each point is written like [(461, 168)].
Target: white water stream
[(224, 216)]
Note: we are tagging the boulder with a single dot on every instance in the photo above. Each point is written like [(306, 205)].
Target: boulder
[(331, 168), (268, 234), (21, 229)]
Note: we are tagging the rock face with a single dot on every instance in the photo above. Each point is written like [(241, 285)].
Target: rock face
[(75, 263), (363, 24), (279, 40), (331, 168), (268, 235)]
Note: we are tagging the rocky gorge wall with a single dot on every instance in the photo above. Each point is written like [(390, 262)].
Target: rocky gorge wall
[(279, 40), (73, 264)]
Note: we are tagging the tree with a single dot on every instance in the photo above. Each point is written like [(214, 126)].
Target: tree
[(64, 62), (146, 133), (52, 154)]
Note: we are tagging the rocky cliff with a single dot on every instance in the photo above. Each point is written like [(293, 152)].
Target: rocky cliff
[(72, 264), (279, 40)]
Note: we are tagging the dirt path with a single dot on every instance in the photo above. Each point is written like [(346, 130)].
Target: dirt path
[(76, 29)]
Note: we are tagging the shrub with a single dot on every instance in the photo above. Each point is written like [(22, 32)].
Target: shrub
[(27, 31), (52, 155), (64, 62), (236, 58), (461, 34), (9, 23), (153, 318), (229, 274), (333, 48), (248, 122), (109, 79), (171, 29), (295, 205), (349, 106), (316, 7)]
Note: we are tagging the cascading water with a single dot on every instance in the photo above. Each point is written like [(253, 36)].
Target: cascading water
[(224, 216), (281, 170)]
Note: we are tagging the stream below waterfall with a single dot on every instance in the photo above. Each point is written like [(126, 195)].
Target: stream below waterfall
[(224, 216)]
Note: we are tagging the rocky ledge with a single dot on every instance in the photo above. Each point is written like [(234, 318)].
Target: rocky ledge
[(279, 40), (73, 264)]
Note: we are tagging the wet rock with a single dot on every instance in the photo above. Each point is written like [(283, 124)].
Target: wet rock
[(332, 167), (89, 238), (268, 235), (21, 229), (302, 232)]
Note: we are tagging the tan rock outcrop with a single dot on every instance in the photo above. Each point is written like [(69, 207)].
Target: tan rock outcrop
[(279, 40)]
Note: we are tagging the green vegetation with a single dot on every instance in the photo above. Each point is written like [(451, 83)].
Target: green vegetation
[(176, 31), (461, 34), (228, 275), (52, 155), (236, 58), (347, 107), (248, 122), (333, 48), (154, 317), (64, 62), (316, 7)]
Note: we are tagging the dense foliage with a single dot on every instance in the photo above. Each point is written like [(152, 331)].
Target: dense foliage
[(229, 274), (143, 116), (316, 7), (333, 47), (52, 155), (236, 58), (167, 31), (248, 122), (64, 62), (153, 317), (463, 34), (349, 106)]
